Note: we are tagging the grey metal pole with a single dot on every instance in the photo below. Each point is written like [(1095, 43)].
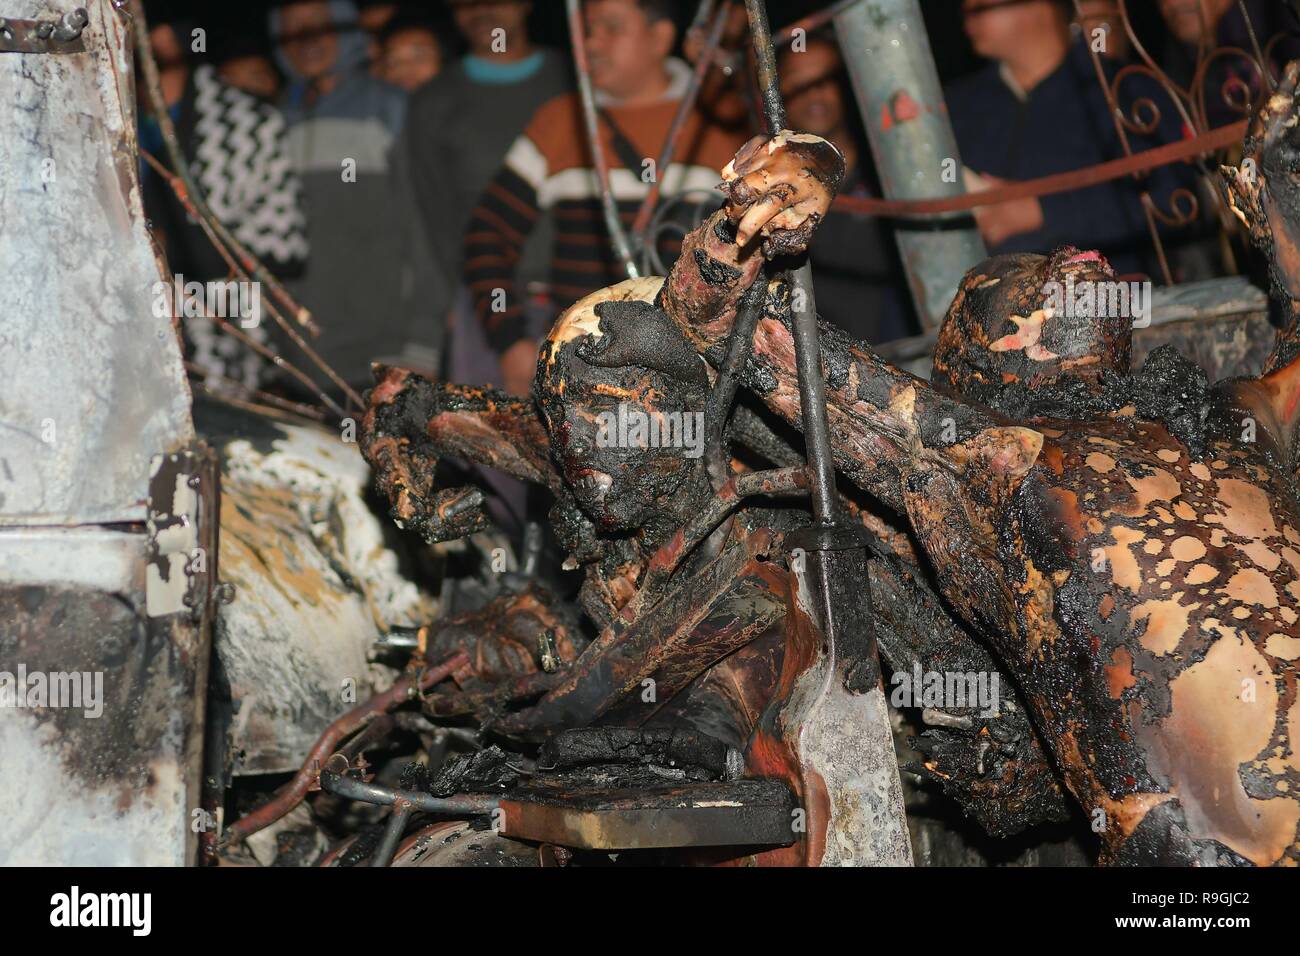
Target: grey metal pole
[(812, 387), (888, 56), (587, 96), (859, 770)]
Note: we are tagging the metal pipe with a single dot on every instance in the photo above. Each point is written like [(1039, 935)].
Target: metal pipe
[(292, 793), (716, 412), (812, 386), (811, 23), (888, 56), (617, 237), (333, 780), (641, 225), (765, 61), (812, 399), (397, 821)]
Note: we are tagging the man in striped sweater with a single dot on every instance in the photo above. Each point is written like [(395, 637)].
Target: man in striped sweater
[(638, 88)]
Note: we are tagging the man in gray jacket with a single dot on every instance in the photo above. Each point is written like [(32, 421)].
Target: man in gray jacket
[(369, 277)]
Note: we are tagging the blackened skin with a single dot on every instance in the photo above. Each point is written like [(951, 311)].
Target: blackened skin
[(638, 333), (1131, 566), (501, 638), (634, 365), (1000, 333), (614, 504), (992, 764), (1129, 582), (410, 422)]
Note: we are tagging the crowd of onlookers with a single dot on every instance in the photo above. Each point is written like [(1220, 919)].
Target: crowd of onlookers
[(419, 177)]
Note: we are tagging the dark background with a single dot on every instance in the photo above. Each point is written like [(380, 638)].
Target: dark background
[(247, 18)]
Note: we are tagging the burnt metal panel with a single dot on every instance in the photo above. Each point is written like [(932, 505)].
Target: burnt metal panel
[(93, 384), (739, 813), (316, 583), (113, 781)]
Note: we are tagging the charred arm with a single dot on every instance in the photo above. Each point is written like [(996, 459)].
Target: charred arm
[(778, 189), (885, 423), (1264, 193), (410, 422)]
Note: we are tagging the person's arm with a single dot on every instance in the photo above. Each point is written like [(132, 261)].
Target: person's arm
[(432, 182), (498, 227), (427, 296), (884, 422)]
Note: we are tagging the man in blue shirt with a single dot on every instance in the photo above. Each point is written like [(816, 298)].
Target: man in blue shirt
[(1035, 110)]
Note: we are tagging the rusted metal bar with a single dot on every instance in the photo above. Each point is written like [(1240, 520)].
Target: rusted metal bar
[(243, 393), (1112, 169), (153, 88), (186, 200), (812, 22), (609, 208), (718, 408), (641, 224), (887, 53), (405, 688), (354, 749), (227, 244)]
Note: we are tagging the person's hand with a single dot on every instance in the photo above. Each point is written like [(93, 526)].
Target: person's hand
[(519, 366), (780, 187), (1000, 222)]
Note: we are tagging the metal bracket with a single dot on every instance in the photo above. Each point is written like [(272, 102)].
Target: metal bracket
[(184, 498), (45, 36), (837, 537), (735, 813)]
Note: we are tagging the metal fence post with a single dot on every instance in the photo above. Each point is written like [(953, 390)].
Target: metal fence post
[(887, 53)]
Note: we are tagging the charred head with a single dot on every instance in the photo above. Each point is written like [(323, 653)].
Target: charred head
[(1031, 321), (622, 394)]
